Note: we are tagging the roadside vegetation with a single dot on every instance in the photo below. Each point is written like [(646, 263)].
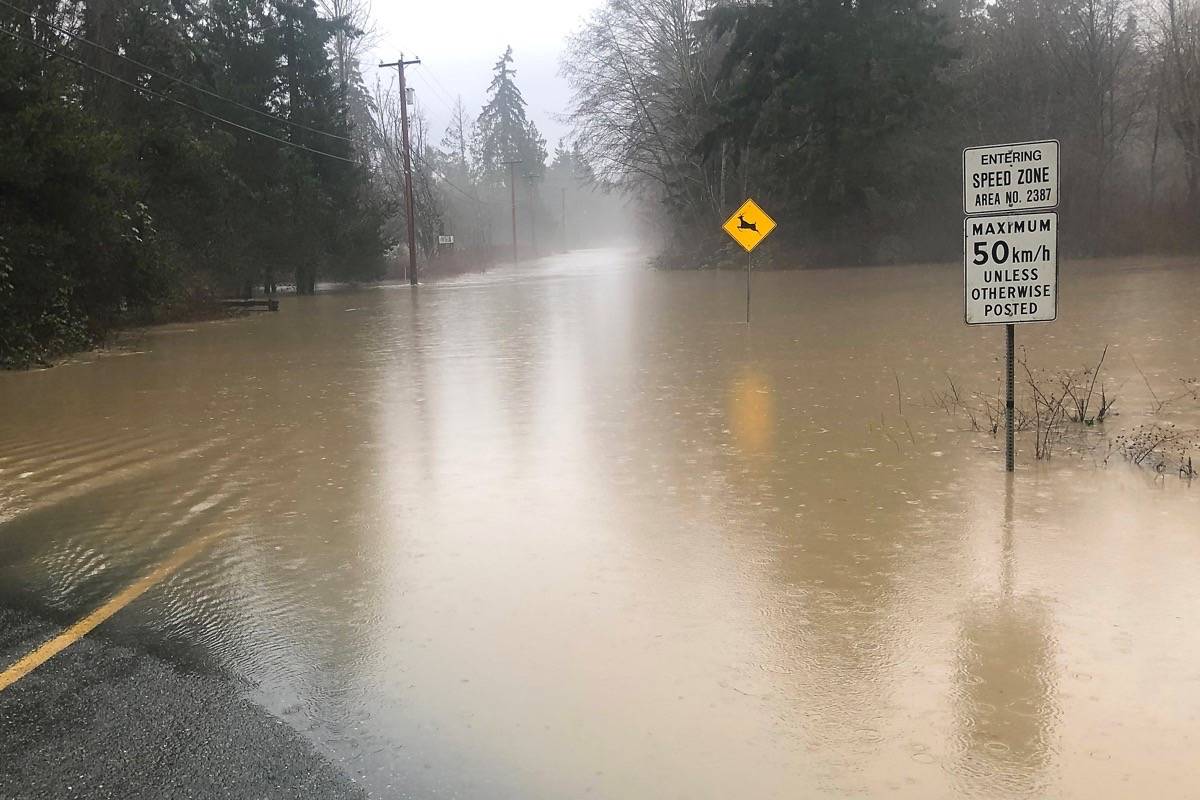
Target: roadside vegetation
[(1065, 411), (130, 190), (157, 155), (154, 156), (847, 119)]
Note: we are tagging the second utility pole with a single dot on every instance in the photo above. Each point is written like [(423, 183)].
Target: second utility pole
[(512, 187), (400, 64), (532, 216)]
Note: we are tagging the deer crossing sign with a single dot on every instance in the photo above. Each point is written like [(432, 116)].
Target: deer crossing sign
[(749, 225)]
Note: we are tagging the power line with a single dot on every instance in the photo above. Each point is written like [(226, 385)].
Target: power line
[(421, 160), (441, 176), (445, 91), (173, 78), (416, 156), (170, 99), (145, 90), (220, 119), (437, 94), (439, 89), (432, 92)]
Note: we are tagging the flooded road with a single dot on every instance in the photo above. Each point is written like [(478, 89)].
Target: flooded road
[(573, 529)]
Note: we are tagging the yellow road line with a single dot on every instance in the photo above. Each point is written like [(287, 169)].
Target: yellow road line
[(114, 604)]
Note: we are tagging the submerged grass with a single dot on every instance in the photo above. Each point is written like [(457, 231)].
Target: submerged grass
[(1065, 410)]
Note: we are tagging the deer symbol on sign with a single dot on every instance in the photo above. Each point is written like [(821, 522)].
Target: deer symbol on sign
[(746, 226)]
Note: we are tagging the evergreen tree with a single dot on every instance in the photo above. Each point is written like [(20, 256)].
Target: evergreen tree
[(823, 95), (502, 132), (118, 205)]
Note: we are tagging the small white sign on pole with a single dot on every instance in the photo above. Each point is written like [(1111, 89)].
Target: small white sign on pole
[(1011, 266), (1010, 177)]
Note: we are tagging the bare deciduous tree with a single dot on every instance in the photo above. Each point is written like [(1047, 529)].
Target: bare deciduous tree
[(354, 34), (641, 92), (1177, 24)]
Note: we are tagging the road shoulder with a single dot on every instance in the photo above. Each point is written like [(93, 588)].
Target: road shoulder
[(102, 720)]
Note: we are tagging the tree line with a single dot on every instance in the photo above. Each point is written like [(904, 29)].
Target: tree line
[(155, 154), (485, 166), (846, 117), (158, 154)]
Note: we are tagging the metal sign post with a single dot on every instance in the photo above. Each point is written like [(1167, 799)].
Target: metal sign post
[(1010, 335), (1010, 260), (748, 226), (748, 257)]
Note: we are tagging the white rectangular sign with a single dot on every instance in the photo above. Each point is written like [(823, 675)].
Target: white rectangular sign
[(1010, 177), (445, 240), (1010, 263)]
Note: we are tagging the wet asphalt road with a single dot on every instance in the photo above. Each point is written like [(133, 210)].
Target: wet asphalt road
[(101, 720)]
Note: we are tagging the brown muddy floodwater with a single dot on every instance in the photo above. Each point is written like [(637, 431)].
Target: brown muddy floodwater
[(575, 530)]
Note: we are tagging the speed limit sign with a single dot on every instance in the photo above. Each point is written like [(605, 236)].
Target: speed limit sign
[(1010, 260), (1011, 267)]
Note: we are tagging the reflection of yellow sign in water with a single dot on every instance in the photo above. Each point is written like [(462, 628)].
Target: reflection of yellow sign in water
[(752, 411), (749, 225)]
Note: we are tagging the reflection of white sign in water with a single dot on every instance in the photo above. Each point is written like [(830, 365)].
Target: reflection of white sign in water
[(1011, 264), (1010, 177)]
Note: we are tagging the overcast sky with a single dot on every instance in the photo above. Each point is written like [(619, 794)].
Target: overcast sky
[(458, 42)]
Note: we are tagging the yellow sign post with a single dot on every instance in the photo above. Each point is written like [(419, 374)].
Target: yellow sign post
[(748, 226)]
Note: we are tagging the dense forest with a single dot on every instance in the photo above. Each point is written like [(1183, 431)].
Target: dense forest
[(846, 118), (153, 153), (157, 154)]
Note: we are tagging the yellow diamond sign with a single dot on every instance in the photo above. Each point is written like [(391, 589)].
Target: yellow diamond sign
[(749, 225)]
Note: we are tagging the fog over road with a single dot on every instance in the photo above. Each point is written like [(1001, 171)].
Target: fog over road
[(573, 528)]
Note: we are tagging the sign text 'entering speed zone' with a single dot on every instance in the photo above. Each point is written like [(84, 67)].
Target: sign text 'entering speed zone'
[(1010, 177), (1011, 265)]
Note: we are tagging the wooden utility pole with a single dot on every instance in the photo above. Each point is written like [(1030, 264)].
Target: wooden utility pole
[(400, 64), (512, 188), (532, 212)]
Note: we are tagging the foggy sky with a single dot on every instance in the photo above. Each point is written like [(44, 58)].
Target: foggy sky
[(458, 42)]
